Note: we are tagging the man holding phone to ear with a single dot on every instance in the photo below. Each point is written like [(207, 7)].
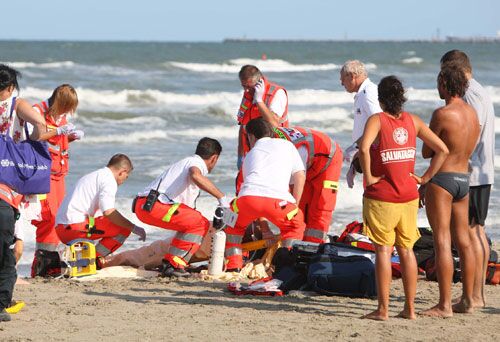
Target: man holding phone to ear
[(261, 98)]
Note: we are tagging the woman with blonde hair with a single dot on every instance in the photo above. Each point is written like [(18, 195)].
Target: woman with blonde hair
[(59, 134)]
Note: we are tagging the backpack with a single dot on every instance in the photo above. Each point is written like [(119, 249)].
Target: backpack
[(493, 274), (330, 274)]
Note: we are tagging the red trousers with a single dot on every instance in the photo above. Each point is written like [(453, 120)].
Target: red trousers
[(319, 198), (287, 216), (110, 235), (46, 236), (189, 223)]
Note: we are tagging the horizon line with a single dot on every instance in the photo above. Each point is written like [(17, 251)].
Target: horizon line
[(447, 39)]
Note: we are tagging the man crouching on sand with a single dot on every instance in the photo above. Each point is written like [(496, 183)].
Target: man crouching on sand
[(447, 194)]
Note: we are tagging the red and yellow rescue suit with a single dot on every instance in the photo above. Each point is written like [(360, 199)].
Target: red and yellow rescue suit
[(189, 223), (287, 216), (110, 235), (249, 110), (324, 163), (46, 237)]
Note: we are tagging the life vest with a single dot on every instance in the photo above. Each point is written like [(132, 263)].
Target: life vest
[(320, 147), (249, 110), (58, 145)]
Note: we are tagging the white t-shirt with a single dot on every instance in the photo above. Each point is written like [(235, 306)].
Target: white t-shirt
[(268, 168), (176, 183), (279, 102), (19, 229), (482, 161), (93, 193), (365, 105)]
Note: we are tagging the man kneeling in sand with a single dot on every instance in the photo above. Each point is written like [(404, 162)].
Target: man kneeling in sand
[(94, 193), (447, 194), (169, 202)]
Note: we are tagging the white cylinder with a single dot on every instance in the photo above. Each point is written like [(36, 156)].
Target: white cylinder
[(216, 262)]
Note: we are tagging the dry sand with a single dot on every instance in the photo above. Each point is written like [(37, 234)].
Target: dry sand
[(187, 310)]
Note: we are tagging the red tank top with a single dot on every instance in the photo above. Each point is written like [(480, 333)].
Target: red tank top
[(394, 158)]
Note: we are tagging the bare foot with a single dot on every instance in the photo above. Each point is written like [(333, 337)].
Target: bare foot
[(476, 303), (376, 316), (463, 307), (436, 311), (407, 314)]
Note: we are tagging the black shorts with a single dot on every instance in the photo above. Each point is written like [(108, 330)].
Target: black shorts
[(479, 200)]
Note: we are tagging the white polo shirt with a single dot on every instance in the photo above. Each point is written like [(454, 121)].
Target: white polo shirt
[(365, 105), (92, 193), (268, 168), (279, 102), (176, 183), (482, 160)]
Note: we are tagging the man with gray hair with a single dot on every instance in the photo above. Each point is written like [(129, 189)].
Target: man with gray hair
[(354, 78)]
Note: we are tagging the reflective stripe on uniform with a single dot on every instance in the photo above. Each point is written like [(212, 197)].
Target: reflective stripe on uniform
[(170, 212), (189, 237), (288, 242), (292, 213), (330, 156), (315, 233), (51, 247), (41, 197), (54, 147), (232, 238), (235, 206), (310, 139), (120, 238), (6, 194), (179, 252), (328, 184), (268, 95), (102, 250), (233, 251)]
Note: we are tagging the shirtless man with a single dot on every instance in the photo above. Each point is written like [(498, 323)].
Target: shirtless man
[(447, 194)]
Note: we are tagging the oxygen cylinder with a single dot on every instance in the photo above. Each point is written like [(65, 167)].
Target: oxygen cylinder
[(216, 262)]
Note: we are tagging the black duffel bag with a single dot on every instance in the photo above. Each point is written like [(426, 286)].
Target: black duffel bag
[(333, 275)]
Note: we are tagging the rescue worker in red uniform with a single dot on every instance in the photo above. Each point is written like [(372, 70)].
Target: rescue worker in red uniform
[(322, 158), (88, 211), (169, 202), (267, 171), (261, 98), (59, 134)]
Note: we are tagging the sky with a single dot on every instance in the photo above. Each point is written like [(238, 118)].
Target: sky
[(187, 20)]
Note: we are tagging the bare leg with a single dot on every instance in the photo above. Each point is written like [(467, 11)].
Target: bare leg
[(438, 207), (383, 276), (409, 275), (481, 255), (461, 237)]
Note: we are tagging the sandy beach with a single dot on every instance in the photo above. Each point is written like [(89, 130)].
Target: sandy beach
[(186, 310)]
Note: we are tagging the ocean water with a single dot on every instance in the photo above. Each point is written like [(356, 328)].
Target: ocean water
[(154, 101)]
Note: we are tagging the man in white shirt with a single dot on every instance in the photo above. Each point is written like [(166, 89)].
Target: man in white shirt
[(169, 202), (354, 78), (88, 211), (268, 170), (261, 98), (482, 166)]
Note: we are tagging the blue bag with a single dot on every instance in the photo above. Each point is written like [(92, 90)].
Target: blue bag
[(24, 166), (333, 275)]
